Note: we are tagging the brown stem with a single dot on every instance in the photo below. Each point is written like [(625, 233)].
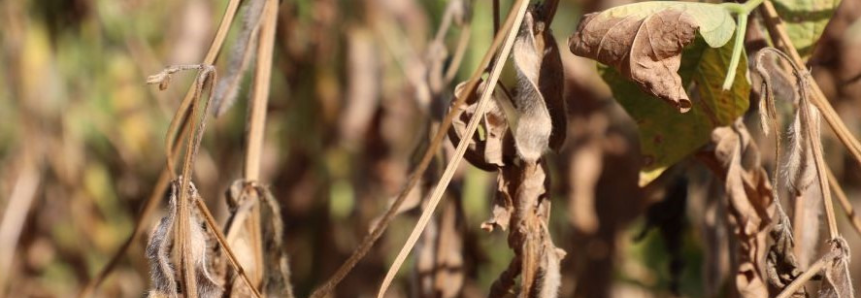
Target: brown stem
[(257, 125)]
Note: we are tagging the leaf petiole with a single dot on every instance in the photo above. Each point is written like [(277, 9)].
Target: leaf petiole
[(743, 11)]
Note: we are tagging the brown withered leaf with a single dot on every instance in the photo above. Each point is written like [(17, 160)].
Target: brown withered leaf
[(837, 282), (644, 42), (650, 56), (781, 264), (524, 205), (542, 117), (750, 204), (493, 145)]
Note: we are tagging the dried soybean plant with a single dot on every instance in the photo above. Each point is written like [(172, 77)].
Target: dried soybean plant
[(517, 131), (804, 166), (255, 226)]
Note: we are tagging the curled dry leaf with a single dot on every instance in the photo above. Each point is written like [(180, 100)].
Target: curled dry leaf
[(163, 270), (493, 146), (781, 263), (837, 282), (644, 42), (537, 260), (750, 202), (541, 115)]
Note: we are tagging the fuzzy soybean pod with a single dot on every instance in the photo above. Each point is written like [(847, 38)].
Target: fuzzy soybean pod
[(540, 123)]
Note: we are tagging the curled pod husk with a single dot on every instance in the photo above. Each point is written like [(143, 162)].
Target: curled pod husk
[(541, 122), (493, 145)]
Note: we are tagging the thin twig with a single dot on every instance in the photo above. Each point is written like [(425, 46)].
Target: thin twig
[(257, 125), (205, 77), (440, 135), (435, 197), (811, 271), (182, 112), (844, 201)]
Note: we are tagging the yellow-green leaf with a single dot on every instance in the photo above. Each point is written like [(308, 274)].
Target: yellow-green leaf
[(805, 21), (667, 136)]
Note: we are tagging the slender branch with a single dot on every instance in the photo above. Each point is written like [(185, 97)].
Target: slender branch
[(811, 271), (257, 125), (182, 112), (435, 197), (390, 213)]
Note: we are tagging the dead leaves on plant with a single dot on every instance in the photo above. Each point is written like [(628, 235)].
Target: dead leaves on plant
[(517, 131)]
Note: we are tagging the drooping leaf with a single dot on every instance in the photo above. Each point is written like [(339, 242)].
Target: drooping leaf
[(750, 204), (805, 21), (837, 282), (644, 42), (495, 146), (667, 136)]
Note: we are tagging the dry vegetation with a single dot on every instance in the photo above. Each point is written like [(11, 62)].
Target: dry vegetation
[(700, 158)]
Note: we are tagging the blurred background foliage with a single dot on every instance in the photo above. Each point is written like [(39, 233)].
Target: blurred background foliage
[(82, 138)]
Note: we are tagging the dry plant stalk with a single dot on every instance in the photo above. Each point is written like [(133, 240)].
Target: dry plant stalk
[(183, 228), (805, 161), (780, 38), (176, 131), (836, 284), (533, 124), (433, 201), (369, 240), (205, 78)]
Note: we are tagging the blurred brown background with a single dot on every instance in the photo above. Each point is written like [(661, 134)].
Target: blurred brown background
[(82, 138)]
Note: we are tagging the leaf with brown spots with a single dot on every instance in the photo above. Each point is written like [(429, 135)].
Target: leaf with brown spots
[(644, 42)]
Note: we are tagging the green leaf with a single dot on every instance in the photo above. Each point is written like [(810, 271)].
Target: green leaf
[(667, 136), (805, 21)]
